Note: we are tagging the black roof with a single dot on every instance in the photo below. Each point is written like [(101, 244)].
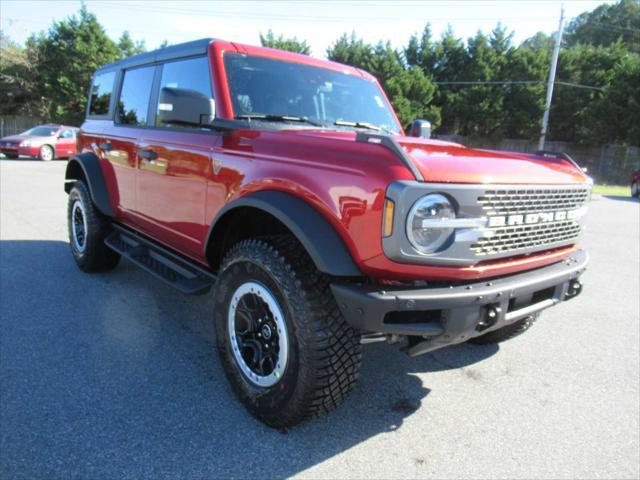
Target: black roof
[(196, 47)]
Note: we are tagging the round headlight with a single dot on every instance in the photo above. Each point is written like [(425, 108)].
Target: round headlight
[(422, 223)]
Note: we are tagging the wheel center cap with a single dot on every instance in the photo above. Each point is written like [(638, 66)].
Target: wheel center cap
[(266, 332)]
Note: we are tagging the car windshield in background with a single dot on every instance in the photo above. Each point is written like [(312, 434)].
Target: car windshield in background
[(274, 90), (41, 131)]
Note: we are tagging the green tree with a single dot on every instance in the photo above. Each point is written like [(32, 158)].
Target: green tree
[(67, 55), (421, 52), (448, 63), (570, 117), (410, 91), (606, 25), (524, 103), (128, 47), (18, 80), (281, 43), (353, 51), (620, 100)]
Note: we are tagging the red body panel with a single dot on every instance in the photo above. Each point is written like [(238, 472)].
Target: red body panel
[(175, 198)]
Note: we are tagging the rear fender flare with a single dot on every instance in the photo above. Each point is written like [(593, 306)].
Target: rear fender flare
[(89, 164)]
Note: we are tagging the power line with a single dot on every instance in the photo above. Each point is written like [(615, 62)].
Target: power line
[(578, 85), (518, 82), (491, 82), (312, 18)]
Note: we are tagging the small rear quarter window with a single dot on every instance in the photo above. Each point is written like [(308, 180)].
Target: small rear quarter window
[(101, 89)]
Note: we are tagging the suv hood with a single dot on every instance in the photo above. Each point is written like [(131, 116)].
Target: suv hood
[(447, 162), (455, 163)]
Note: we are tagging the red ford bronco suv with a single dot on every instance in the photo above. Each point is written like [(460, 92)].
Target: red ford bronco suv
[(288, 184)]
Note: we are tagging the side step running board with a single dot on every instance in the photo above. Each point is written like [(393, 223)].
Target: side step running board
[(178, 272)]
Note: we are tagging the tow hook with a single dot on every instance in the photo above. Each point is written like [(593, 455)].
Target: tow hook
[(490, 317), (575, 287)]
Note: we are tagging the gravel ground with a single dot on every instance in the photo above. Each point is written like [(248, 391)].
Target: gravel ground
[(115, 375)]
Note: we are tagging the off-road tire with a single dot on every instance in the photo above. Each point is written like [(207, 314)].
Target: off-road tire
[(324, 351), (95, 256), (635, 190), (46, 153), (506, 333)]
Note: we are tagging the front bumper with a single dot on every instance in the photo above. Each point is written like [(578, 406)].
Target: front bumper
[(25, 151), (448, 315)]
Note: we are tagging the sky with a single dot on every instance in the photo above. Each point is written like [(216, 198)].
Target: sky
[(318, 22)]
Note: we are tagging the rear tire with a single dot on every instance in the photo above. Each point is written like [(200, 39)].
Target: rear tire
[(274, 283), (87, 230), (505, 333), (46, 153)]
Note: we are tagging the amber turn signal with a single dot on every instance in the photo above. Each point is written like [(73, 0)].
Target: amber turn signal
[(387, 227)]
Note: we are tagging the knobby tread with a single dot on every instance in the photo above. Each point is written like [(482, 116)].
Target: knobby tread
[(97, 257), (330, 352), (506, 333)]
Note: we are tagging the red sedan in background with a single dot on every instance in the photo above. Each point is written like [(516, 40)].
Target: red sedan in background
[(45, 142)]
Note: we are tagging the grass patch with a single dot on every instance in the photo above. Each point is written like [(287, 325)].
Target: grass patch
[(615, 190)]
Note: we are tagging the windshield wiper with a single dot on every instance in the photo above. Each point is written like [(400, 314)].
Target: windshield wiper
[(278, 118), (367, 125)]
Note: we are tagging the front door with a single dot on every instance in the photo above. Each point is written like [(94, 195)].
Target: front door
[(66, 143), (174, 165)]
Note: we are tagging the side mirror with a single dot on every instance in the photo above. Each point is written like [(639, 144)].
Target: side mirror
[(420, 128), (180, 106)]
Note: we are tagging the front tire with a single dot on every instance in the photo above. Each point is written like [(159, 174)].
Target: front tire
[(46, 153), (506, 333), (87, 230), (283, 343)]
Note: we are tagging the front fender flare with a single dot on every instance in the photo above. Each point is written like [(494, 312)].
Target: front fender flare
[(321, 241), (89, 164)]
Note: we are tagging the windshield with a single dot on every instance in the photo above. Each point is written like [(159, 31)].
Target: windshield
[(266, 87), (41, 131)]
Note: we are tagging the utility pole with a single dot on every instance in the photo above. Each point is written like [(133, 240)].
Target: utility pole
[(551, 81)]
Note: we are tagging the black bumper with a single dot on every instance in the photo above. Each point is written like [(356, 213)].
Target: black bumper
[(448, 315)]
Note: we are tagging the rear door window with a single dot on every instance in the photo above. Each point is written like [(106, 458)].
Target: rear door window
[(192, 74), (133, 105), (101, 89)]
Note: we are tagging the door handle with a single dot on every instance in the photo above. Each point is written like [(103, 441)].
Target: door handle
[(106, 146), (147, 154)]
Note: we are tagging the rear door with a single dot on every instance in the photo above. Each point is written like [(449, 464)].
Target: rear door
[(174, 165), (119, 144)]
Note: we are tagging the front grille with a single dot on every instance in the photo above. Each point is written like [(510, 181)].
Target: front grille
[(513, 239), (525, 203), (513, 202)]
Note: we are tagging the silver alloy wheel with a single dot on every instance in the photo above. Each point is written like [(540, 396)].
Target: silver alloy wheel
[(46, 153), (258, 334), (78, 226)]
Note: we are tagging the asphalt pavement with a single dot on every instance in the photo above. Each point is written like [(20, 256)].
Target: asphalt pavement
[(115, 375)]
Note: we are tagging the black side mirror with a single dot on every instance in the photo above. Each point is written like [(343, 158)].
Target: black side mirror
[(180, 106), (420, 128)]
